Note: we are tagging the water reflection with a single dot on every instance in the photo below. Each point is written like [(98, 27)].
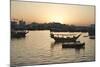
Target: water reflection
[(39, 48), (78, 51)]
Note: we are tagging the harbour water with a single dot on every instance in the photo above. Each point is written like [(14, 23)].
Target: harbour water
[(39, 48)]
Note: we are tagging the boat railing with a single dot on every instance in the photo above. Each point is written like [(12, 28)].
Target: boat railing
[(64, 35)]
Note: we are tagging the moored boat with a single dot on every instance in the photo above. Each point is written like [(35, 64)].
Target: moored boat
[(92, 37), (64, 39), (18, 34), (77, 44)]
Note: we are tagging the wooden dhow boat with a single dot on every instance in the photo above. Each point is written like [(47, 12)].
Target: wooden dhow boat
[(64, 39)]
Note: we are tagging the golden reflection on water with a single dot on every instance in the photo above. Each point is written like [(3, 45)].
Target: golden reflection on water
[(39, 48)]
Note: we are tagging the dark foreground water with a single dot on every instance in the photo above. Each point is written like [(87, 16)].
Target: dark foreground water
[(39, 48)]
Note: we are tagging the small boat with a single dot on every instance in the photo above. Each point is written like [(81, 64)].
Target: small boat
[(91, 33), (62, 39), (92, 37), (85, 36), (18, 34), (77, 44)]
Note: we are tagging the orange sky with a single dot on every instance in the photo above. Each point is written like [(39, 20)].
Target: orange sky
[(47, 12)]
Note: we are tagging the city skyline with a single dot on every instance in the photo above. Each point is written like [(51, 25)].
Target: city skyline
[(47, 12)]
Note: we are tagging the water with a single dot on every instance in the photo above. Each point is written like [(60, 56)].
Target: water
[(39, 48)]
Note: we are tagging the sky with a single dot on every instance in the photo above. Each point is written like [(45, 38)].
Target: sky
[(50, 12)]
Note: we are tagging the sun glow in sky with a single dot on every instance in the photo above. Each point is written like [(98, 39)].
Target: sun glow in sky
[(56, 19), (47, 12)]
